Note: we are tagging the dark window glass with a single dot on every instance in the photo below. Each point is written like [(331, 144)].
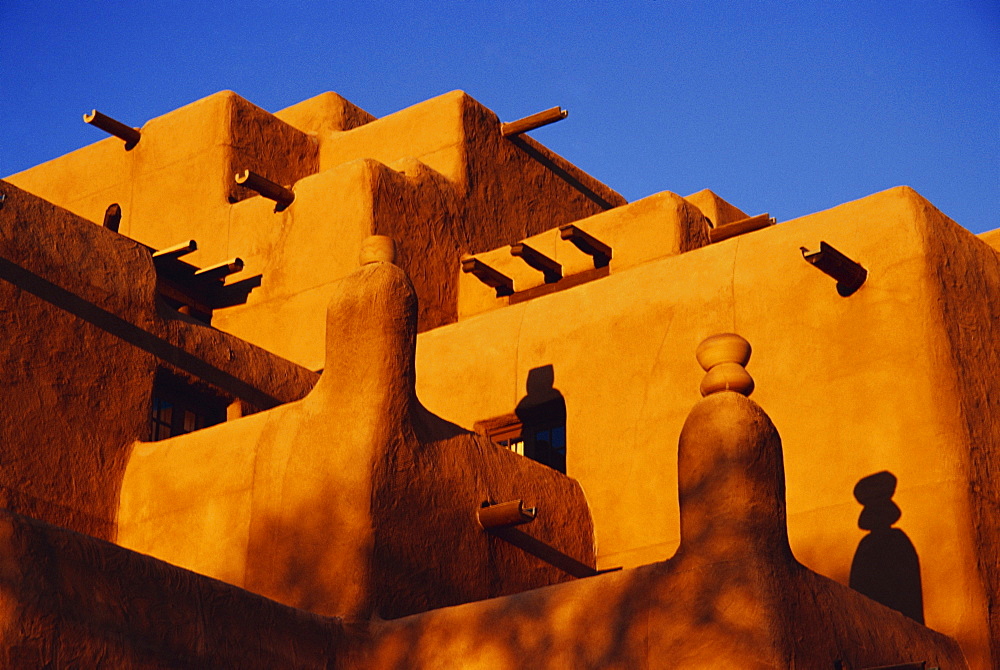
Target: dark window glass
[(544, 433), (179, 407), (535, 431), (160, 421)]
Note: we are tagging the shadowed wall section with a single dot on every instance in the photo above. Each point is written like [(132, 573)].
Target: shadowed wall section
[(858, 384), (84, 336), (732, 596), (962, 264), (354, 501), (886, 567), (71, 601), (342, 495)]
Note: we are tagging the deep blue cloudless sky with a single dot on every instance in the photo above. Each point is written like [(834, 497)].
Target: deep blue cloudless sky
[(783, 107)]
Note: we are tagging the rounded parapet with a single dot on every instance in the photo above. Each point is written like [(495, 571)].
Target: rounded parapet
[(729, 464), (371, 327)]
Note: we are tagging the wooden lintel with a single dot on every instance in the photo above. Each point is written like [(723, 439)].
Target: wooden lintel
[(725, 231), (503, 284), (532, 122), (177, 250), (587, 243), (537, 260), (220, 270)]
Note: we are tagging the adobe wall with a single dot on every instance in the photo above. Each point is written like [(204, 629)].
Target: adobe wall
[(732, 595), (965, 269), (304, 249), (657, 617), (437, 176), (857, 385), (895, 377), (177, 182), (67, 419), (992, 238), (354, 501), (84, 337), (660, 225), (71, 601)]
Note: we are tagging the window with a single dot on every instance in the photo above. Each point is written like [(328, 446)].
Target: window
[(113, 217), (537, 432), (179, 407), (508, 434)]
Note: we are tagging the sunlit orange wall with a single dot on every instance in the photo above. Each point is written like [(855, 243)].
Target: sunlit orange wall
[(855, 385), (882, 380)]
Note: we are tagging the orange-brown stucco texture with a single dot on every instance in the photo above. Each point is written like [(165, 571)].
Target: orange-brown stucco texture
[(276, 435)]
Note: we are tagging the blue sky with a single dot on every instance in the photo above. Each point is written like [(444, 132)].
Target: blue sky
[(787, 108)]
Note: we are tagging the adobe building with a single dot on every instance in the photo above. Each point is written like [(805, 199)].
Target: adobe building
[(316, 389)]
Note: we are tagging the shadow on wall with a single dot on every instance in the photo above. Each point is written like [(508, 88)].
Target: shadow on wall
[(542, 414), (885, 566)]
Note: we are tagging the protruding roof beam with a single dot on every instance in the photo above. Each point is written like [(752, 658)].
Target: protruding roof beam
[(265, 187), (113, 127), (504, 515), (503, 284), (725, 231), (499, 520), (532, 122), (220, 270), (539, 261), (177, 250), (849, 274), (199, 291), (587, 243)]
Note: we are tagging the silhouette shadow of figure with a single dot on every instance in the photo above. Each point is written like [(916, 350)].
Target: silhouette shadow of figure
[(542, 414), (885, 566)]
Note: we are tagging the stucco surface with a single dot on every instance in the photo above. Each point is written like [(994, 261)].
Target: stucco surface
[(177, 182), (675, 227), (324, 115), (992, 238), (356, 495), (436, 176), (71, 601), (857, 385), (732, 596), (63, 453), (964, 266), (715, 209), (79, 359), (354, 501)]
